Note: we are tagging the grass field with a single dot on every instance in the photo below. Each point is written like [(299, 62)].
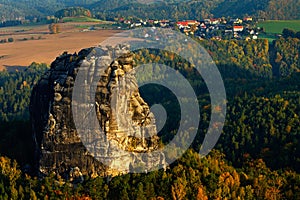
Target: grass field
[(80, 19), (276, 26)]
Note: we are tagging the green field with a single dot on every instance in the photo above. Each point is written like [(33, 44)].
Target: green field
[(80, 19), (276, 26)]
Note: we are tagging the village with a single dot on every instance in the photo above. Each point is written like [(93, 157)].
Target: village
[(224, 28), (215, 28)]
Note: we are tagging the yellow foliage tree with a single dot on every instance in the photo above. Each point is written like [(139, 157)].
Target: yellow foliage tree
[(54, 28)]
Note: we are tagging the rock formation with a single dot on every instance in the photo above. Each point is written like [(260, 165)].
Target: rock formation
[(122, 114)]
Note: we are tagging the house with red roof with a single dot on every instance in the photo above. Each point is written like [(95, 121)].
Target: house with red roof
[(238, 28), (182, 24), (187, 23)]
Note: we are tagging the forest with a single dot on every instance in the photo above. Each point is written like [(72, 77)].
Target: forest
[(181, 9), (195, 9), (73, 12), (256, 157)]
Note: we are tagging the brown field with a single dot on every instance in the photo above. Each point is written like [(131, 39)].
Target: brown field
[(43, 47)]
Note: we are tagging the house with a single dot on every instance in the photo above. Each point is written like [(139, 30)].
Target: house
[(164, 23), (202, 26), (127, 22), (150, 21), (137, 24), (214, 21), (248, 19), (182, 24), (238, 28), (186, 24), (192, 22), (236, 21)]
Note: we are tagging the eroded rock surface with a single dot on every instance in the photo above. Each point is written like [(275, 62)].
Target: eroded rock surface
[(124, 117)]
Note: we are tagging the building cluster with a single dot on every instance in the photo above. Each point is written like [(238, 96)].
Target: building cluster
[(218, 28)]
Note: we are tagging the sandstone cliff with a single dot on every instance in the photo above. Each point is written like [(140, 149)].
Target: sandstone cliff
[(122, 114)]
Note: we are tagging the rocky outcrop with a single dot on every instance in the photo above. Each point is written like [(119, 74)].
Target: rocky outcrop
[(122, 114)]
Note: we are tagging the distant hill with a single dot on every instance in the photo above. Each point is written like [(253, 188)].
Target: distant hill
[(240, 7), (268, 9), (282, 9), (12, 9), (171, 9), (195, 9)]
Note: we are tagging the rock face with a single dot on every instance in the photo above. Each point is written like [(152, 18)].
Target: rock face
[(125, 118)]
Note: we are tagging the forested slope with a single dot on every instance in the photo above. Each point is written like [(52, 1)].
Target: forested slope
[(257, 155), (181, 9)]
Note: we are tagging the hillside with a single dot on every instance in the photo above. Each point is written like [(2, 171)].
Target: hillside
[(173, 9), (12, 9), (282, 9), (195, 9)]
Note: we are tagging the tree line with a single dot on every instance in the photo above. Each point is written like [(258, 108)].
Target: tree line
[(191, 177), (73, 12)]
